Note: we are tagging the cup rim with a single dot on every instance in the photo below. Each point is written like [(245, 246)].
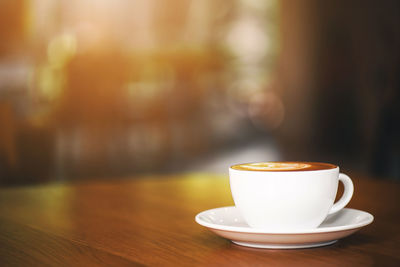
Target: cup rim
[(334, 167)]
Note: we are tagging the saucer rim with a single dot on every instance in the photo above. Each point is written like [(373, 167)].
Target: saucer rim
[(368, 220)]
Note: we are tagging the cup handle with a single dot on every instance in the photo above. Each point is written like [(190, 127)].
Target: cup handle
[(347, 194)]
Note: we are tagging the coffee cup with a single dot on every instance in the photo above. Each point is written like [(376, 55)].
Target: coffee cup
[(287, 196)]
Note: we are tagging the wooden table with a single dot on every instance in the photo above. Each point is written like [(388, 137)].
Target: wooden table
[(150, 221)]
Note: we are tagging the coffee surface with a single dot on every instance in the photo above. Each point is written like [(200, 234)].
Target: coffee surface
[(283, 166)]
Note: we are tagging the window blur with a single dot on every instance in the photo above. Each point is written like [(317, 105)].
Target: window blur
[(97, 88), (109, 88)]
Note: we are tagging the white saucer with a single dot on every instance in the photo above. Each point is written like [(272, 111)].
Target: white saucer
[(228, 223)]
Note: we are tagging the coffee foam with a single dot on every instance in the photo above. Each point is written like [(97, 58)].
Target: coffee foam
[(283, 166)]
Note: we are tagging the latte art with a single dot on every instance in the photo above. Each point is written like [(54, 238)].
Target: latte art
[(274, 166), (283, 166)]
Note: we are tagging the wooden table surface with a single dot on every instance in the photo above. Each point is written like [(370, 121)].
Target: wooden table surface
[(150, 221)]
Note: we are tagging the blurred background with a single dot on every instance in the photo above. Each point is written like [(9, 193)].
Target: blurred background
[(94, 89)]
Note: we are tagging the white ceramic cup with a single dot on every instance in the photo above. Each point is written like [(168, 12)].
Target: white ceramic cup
[(288, 200)]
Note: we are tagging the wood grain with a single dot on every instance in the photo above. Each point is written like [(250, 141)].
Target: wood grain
[(150, 221), (22, 245)]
